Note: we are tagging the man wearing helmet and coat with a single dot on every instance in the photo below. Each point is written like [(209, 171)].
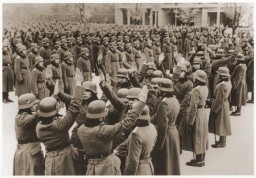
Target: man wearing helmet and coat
[(83, 64), (68, 73)]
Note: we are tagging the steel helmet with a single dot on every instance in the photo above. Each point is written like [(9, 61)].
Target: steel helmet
[(165, 84), (88, 85), (48, 107), (133, 93), (144, 115), (21, 48), (38, 59), (197, 61), (67, 55), (85, 50), (154, 81), (54, 57), (122, 94), (223, 71), (151, 65), (96, 110), (46, 40), (157, 74), (122, 73), (200, 75), (26, 101)]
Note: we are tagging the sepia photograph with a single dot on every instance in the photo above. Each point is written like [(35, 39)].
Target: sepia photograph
[(143, 89)]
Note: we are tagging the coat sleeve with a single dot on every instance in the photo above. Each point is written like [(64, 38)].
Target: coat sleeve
[(162, 124), (237, 78), (65, 98), (109, 131), (184, 103), (64, 75), (72, 111), (118, 105), (17, 70), (219, 98), (194, 101), (134, 151), (26, 120), (33, 82), (108, 63)]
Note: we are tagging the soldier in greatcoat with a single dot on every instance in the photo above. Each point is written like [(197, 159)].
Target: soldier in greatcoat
[(53, 132), (32, 55), (38, 79), (140, 144), (83, 64), (166, 152), (68, 73), (239, 86), (197, 122), (45, 52), (168, 52), (22, 72), (28, 158), (148, 51), (219, 120), (8, 79), (112, 61)]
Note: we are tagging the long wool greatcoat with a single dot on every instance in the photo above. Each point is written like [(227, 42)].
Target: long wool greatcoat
[(85, 67), (169, 58), (140, 145), (28, 158), (221, 124), (22, 74), (68, 74), (112, 64), (37, 84), (55, 134), (198, 118), (7, 73), (166, 154), (239, 93), (149, 54)]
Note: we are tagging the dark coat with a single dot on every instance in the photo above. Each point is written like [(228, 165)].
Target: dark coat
[(166, 159), (22, 74), (46, 55), (55, 134), (38, 85), (83, 64), (28, 158), (220, 125), (68, 74), (8, 78), (169, 56), (239, 86), (197, 118), (112, 64), (149, 54)]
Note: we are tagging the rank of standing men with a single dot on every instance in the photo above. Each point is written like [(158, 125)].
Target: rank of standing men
[(157, 84)]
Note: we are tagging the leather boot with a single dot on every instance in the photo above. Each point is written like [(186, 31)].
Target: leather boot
[(5, 98), (199, 162), (221, 144), (237, 112), (8, 99)]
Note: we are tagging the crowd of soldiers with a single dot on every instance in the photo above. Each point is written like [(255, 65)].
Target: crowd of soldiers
[(156, 84)]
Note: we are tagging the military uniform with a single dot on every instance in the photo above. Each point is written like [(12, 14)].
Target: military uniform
[(169, 61), (28, 158), (45, 53), (112, 64), (149, 54), (68, 75), (22, 74), (8, 79), (83, 64), (37, 84), (60, 155)]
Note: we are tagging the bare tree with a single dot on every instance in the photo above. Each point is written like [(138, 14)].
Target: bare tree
[(136, 13), (186, 15)]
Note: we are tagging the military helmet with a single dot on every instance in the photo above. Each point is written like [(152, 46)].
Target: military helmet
[(157, 74), (48, 107), (27, 101), (165, 84), (197, 61), (223, 71), (240, 57), (63, 41), (151, 65), (54, 57), (144, 115), (38, 59), (46, 40), (58, 43), (88, 85), (96, 110), (18, 40), (122, 94), (79, 39), (200, 54), (34, 45), (154, 82), (220, 52), (67, 55), (178, 69), (21, 48), (122, 73), (85, 50), (133, 93), (200, 75), (112, 44)]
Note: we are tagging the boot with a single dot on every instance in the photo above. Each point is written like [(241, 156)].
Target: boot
[(221, 143), (252, 99), (5, 98), (237, 112), (199, 162), (8, 99)]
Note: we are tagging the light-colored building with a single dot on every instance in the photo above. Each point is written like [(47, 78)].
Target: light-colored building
[(207, 14)]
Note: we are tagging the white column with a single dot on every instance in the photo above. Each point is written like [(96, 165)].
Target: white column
[(128, 17), (144, 18), (218, 16), (151, 17), (204, 17)]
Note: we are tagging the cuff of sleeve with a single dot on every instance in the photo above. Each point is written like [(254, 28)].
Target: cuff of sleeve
[(79, 91)]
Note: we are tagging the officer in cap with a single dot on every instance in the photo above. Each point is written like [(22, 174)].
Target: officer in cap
[(167, 148), (94, 133), (197, 120), (28, 152), (53, 132), (22, 72), (219, 120)]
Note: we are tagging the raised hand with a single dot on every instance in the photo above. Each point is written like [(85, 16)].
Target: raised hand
[(78, 77), (56, 88), (161, 58), (143, 94)]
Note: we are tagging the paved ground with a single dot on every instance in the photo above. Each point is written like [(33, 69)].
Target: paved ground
[(236, 159)]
